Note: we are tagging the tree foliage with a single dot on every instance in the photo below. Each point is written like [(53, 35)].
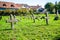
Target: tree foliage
[(49, 6)]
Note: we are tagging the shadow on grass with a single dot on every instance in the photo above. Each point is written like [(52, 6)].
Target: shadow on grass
[(57, 37), (5, 29), (40, 25)]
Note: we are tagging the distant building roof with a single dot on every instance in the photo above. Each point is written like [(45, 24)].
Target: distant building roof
[(35, 7), (7, 5), (14, 5)]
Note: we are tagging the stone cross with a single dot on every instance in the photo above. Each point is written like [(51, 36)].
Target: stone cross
[(33, 17), (15, 19), (12, 20), (46, 17), (46, 13)]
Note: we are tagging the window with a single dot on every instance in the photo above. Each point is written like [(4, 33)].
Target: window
[(12, 5), (4, 4)]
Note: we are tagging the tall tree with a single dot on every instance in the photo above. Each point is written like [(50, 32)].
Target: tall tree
[(59, 7), (56, 7), (49, 6)]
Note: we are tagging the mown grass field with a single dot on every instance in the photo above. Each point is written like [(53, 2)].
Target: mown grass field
[(25, 29)]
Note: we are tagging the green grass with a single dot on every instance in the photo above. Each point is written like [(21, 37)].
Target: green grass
[(25, 29)]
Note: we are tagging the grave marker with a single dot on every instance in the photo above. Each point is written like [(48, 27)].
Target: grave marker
[(46, 17), (33, 17), (46, 13), (12, 20), (15, 19)]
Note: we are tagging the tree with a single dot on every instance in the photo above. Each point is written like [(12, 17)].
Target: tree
[(49, 6), (7, 12), (59, 7), (22, 11)]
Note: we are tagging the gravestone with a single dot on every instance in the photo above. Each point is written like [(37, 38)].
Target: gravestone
[(46, 13), (15, 19), (12, 20), (46, 17), (33, 17)]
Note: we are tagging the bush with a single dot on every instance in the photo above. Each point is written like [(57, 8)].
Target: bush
[(22, 11), (42, 17), (56, 18)]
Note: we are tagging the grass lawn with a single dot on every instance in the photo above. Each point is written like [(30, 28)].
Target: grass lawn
[(25, 29)]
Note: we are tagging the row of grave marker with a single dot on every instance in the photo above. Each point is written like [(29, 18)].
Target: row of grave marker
[(13, 19)]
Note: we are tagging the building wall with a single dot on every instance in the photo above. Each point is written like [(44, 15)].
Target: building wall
[(8, 5)]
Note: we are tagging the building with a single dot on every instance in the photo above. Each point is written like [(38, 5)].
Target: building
[(40, 9), (35, 7), (14, 6), (8, 5)]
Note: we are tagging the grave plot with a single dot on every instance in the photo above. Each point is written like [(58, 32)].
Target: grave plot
[(30, 31)]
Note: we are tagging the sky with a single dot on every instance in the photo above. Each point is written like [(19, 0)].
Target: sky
[(32, 2)]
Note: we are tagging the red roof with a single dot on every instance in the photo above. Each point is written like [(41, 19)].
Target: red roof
[(8, 5), (13, 5)]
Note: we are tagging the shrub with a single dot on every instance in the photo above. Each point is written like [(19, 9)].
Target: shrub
[(56, 18), (42, 17)]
